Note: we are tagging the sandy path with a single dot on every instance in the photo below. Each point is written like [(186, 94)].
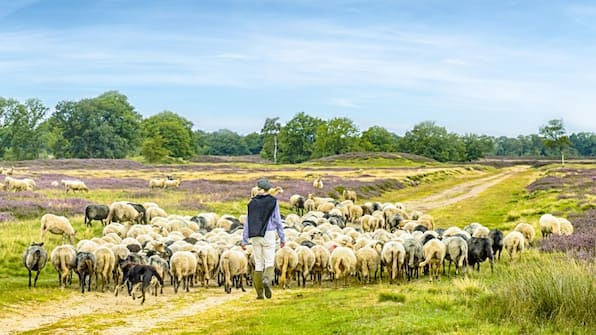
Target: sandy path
[(461, 192)]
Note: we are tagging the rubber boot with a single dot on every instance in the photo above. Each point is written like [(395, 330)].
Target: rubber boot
[(268, 276), (257, 281)]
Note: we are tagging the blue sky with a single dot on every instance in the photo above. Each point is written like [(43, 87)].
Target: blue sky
[(485, 67)]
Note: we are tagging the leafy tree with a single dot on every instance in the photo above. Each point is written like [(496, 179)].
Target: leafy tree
[(378, 139), (103, 127), (254, 142), (201, 142), (554, 137), (429, 140), (154, 149), (270, 135), (225, 142), (475, 146), (175, 132), (336, 136), (20, 134), (297, 138), (584, 143)]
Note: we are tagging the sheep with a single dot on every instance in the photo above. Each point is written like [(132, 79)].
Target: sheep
[(14, 184), (154, 211), (115, 228), (471, 228), (321, 262), (393, 256), (428, 221), (208, 259), (566, 227), (456, 250), (527, 231), (297, 203), (318, 183), (514, 242), (342, 263), (479, 250), (74, 185), (233, 265), (367, 262), (496, 237), (121, 211), (142, 211), (481, 232), (354, 212), (156, 183), (286, 261), (96, 212), (549, 224), (105, 261), (350, 195), (183, 265), (161, 266), (62, 258), (414, 256), (309, 205), (171, 183), (434, 253), (35, 259), (58, 225), (306, 261), (84, 266)]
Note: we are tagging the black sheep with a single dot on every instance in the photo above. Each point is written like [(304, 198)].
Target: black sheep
[(480, 249), (34, 259), (141, 209), (96, 212), (84, 266), (496, 236)]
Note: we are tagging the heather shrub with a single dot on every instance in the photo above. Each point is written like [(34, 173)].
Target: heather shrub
[(581, 244)]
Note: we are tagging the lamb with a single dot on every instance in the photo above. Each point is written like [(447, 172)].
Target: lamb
[(549, 224), (233, 265), (393, 256), (62, 258), (566, 227), (527, 231), (96, 212), (367, 262), (514, 242), (321, 262), (456, 250), (84, 266), (156, 183), (434, 253), (496, 237), (350, 195), (58, 225), (183, 265), (306, 261), (479, 250), (35, 259), (414, 256), (121, 211), (74, 185), (105, 261), (342, 263), (297, 203), (286, 261)]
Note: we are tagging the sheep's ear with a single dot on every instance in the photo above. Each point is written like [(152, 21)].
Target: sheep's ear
[(41, 244)]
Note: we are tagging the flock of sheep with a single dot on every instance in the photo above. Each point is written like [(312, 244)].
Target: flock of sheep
[(327, 239)]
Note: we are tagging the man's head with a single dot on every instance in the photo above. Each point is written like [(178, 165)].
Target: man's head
[(264, 184)]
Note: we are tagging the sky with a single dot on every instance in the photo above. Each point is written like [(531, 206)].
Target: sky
[(499, 68)]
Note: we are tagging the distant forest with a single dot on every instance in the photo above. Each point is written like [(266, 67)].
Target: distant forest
[(108, 126)]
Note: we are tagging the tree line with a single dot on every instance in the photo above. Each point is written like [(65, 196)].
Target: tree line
[(108, 126)]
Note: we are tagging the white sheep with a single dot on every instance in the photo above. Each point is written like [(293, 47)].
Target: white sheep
[(74, 185), (514, 242), (58, 225), (286, 261), (318, 183), (393, 256), (105, 262), (367, 263), (456, 251), (481, 232), (153, 212), (208, 259), (121, 211), (62, 258), (342, 263), (157, 183), (350, 195), (183, 265), (306, 261), (434, 253), (171, 183), (549, 224), (565, 226), (527, 230), (14, 184), (321, 262), (233, 264)]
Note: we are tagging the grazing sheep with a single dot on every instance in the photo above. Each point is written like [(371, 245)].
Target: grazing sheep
[(434, 253), (162, 267), (14, 184), (306, 261), (286, 261), (481, 232), (233, 265), (456, 251), (318, 183), (121, 211), (208, 259), (297, 203), (96, 212), (62, 258), (342, 263), (479, 250), (514, 242), (309, 205), (549, 224), (115, 228), (34, 259), (154, 211), (350, 195), (566, 227), (105, 261), (393, 257), (527, 231), (367, 262), (414, 256), (428, 221), (496, 236), (171, 183), (354, 212), (84, 266), (183, 265), (58, 225), (156, 183), (74, 185), (321, 262)]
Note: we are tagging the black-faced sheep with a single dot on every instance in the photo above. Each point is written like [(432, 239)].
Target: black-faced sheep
[(84, 266), (297, 203), (62, 258), (479, 250), (58, 225), (34, 259), (514, 242), (96, 212)]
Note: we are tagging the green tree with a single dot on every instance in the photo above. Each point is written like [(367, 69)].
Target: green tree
[(584, 143), (154, 149), (225, 142), (475, 146), (378, 139), (254, 142), (336, 136), (20, 134), (175, 132), (297, 138), (554, 137), (103, 127), (429, 140), (270, 135)]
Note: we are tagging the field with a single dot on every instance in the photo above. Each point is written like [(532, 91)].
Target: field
[(552, 289)]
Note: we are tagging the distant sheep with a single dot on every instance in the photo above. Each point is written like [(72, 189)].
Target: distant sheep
[(58, 225), (34, 259), (297, 203), (565, 226), (157, 183), (14, 184), (549, 224), (350, 195), (62, 258), (318, 183), (173, 183), (74, 185), (514, 242)]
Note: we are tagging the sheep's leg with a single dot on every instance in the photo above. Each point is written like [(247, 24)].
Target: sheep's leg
[(29, 277), (36, 276)]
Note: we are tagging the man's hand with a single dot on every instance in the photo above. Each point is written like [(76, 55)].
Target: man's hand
[(242, 246), (282, 244)]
